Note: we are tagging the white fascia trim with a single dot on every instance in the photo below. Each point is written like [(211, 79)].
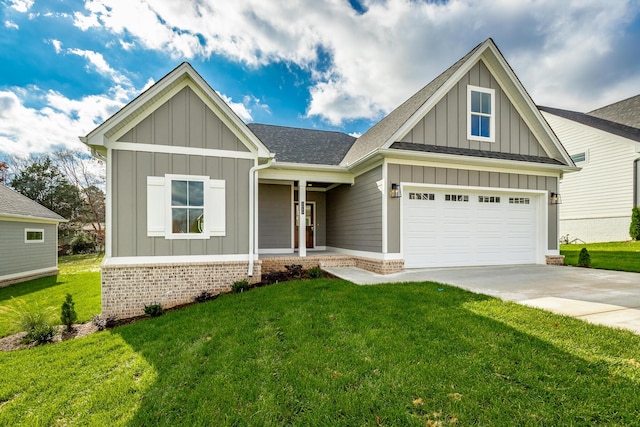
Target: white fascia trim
[(29, 273), (365, 254), (454, 161), (385, 200), (180, 259), (108, 217), (276, 251), (174, 149), (298, 174), (32, 219)]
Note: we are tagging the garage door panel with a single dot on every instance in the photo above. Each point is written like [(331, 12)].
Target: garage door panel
[(487, 229)]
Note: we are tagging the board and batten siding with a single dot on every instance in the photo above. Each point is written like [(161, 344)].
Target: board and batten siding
[(17, 257), (354, 214), (446, 123), (184, 121), (129, 192), (275, 216), (463, 177)]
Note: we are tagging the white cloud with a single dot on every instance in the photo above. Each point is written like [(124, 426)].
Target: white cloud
[(57, 45), (11, 25), (238, 107), (100, 65), (21, 5)]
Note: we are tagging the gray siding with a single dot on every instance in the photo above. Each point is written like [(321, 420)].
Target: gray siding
[(446, 123), (445, 176), (354, 214), (16, 256), (275, 216), (184, 121), (129, 181)]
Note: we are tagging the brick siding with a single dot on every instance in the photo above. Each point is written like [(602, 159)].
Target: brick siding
[(555, 259)]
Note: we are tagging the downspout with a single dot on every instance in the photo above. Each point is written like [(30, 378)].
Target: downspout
[(636, 202), (253, 185)]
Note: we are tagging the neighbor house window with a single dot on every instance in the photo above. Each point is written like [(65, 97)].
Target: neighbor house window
[(480, 113), (579, 157), (33, 235), (185, 207)]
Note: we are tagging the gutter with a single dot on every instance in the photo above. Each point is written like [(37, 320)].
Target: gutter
[(253, 185)]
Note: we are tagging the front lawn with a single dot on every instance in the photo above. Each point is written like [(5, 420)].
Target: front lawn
[(79, 276), (327, 352), (621, 256)]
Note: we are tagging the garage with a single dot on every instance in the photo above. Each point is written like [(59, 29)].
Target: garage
[(446, 227)]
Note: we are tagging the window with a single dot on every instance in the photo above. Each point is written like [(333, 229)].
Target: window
[(185, 207), (456, 197), (480, 116), (489, 199), (579, 157), (33, 235), (519, 200), (422, 196)]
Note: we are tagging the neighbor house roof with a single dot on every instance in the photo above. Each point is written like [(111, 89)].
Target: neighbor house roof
[(296, 145), (626, 112), (611, 127), (14, 204)]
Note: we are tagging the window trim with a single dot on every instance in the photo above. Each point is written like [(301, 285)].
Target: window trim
[(169, 234), (34, 230), (492, 115)]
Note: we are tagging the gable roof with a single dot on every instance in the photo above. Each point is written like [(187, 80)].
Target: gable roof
[(611, 127), (160, 92), (309, 146), (401, 120), (626, 112), (16, 205)]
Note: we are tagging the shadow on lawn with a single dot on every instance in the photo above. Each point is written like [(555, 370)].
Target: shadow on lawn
[(328, 352), (24, 288)]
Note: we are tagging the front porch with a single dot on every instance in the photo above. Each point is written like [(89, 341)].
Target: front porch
[(329, 259)]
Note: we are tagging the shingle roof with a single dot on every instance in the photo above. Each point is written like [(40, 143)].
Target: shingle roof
[(298, 145), (624, 131), (626, 112), (14, 203), (409, 146)]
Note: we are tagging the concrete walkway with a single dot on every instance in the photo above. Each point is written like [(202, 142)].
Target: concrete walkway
[(604, 297)]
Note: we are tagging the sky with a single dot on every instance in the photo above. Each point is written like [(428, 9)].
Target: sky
[(68, 65)]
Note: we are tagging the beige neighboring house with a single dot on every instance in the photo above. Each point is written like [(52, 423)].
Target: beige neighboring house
[(464, 172), (28, 238), (605, 144)]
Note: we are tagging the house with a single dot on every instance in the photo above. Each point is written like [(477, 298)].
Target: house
[(28, 238), (462, 173), (605, 143)]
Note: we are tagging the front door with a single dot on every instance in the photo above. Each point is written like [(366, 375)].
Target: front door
[(309, 219)]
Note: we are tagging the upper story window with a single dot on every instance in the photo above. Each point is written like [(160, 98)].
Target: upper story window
[(33, 235), (480, 113)]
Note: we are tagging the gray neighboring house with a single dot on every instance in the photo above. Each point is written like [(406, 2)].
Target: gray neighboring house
[(605, 144), (28, 238), (465, 172)]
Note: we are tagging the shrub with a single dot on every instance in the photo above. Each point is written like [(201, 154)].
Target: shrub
[(83, 243), (103, 322), (315, 273), (68, 315), (36, 322), (153, 310), (204, 296), (240, 286), (634, 229), (294, 271), (584, 259)]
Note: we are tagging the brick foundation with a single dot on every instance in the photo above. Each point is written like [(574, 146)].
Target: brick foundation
[(327, 261), (555, 259), (126, 289)]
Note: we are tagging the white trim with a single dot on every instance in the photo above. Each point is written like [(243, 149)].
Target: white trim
[(276, 251), (292, 209), (385, 201), (365, 254), (31, 230), (553, 252), (206, 232), (175, 149), (491, 115), (29, 273), (342, 177), (274, 182), (302, 217), (315, 212), (108, 217), (31, 219), (182, 259)]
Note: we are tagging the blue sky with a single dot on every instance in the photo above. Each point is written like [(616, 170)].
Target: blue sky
[(66, 66)]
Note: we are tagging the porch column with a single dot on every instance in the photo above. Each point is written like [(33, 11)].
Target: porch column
[(302, 219)]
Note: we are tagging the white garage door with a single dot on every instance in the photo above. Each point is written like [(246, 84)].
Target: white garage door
[(455, 227)]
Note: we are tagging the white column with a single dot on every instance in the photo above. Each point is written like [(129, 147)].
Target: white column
[(302, 218)]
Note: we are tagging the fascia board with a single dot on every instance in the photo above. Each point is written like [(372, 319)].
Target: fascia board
[(27, 218)]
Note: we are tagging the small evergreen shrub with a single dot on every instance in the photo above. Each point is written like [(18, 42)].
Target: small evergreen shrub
[(315, 273), (68, 315), (153, 310), (294, 271), (103, 322), (204, 296), (634, 228), (584, 259), (240, 286)]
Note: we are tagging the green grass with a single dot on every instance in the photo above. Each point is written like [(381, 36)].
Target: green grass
[(621, 256), (327, 352), (79, 276)]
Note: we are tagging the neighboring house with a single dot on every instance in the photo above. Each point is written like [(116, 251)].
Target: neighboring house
[(462, 173), (28, 238), (597, 201)]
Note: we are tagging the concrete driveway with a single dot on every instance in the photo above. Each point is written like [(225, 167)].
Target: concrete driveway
[(599, 296)]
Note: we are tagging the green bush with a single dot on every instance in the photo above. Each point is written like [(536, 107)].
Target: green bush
[(83, 243), (315, 273), (584, 259), (68, 315), (240, 286), (36, 322), (634, 229), (153, 310)]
